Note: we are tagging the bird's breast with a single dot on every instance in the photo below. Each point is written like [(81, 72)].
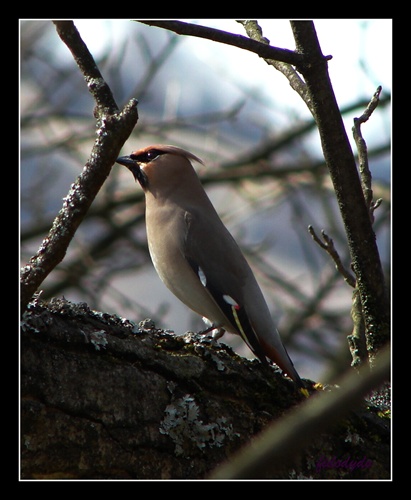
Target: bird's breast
[(166, 247)]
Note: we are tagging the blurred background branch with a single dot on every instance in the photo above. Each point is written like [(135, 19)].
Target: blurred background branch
[(284, 439)]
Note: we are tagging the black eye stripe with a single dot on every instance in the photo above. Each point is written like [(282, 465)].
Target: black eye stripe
[(147, 156)]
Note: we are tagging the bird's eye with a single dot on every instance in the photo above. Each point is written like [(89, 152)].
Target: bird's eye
[(147, 156), (152, 154)]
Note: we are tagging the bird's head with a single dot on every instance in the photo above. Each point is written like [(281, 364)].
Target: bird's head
[(158, 164)]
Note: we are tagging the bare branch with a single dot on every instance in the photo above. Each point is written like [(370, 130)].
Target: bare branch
[(371, 106), (254, 31), (328, 245), (97, 86), (365, 173), (357, 340), (261, 49), (114, 129)]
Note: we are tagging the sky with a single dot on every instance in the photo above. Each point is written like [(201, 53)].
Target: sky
[(361, 51), (344, 39)]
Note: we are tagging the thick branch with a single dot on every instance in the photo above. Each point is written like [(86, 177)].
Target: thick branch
[(114, 129), (103, 398)]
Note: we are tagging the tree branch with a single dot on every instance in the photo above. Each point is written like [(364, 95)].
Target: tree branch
[(261, 49), (254, 31), (97, 86), (114, 128), (167, 406), (328, 246), (365, 173)]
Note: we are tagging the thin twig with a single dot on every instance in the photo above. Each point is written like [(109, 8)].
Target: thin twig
[(365, 173), (328, 245), (357, 339), (371, 106)]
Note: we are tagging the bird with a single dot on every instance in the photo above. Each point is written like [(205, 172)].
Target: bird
[(196, 256)]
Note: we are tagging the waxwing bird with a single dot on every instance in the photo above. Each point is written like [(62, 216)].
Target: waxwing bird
[(197, 258)]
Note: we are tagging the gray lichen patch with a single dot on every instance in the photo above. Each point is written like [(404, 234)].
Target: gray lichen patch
[(183, 425)]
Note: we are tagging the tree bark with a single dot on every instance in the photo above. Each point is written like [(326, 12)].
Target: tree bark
[(105, 399)]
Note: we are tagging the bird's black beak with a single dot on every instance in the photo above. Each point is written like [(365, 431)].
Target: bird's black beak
[(134, 168), (132, 165)]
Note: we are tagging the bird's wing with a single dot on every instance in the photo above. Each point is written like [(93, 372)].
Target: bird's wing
[(222, 269)]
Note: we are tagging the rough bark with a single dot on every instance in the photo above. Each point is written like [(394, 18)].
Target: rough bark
[(104, 399)]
